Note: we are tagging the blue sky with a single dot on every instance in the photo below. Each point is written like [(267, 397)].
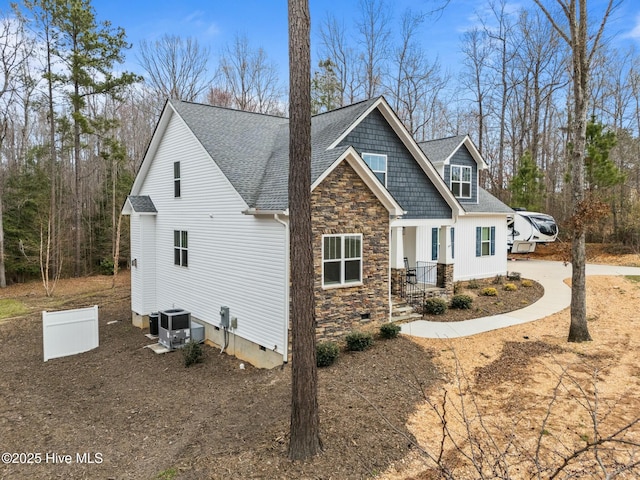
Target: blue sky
[(215, 23)]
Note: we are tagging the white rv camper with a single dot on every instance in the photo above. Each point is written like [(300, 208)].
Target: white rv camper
[(526, 229)]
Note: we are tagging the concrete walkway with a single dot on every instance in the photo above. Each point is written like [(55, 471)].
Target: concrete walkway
[(557, 297)]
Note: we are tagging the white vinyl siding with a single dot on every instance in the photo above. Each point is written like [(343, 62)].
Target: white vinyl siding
[(467, 264), (143, 268), (341, 260), (231, 255)]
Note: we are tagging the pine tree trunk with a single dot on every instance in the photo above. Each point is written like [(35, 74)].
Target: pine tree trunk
[(305, 425)]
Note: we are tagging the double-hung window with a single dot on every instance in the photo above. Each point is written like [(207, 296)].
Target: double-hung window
[(378, 164), (180, 248), (341, 259), (176, 179), (461, 181), (485, 241)]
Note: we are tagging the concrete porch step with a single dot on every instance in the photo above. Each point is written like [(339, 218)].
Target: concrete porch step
[(404, 318), (401, 310)]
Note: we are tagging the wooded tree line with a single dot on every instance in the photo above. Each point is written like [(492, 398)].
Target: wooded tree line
[(74, 127)]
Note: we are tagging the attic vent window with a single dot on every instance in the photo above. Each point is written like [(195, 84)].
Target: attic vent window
[(378, 164), (461, 181), (176, 179)]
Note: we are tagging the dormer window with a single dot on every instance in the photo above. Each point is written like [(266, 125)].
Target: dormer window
[(176, 179), (378, 164), (461, 181)]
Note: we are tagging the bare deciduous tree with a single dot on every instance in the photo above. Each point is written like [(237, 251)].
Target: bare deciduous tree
[(374, 38), (176, 67), (573, 27), (250, 78)]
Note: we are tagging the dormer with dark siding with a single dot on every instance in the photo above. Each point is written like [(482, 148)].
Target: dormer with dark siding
[(463, 158), (406, 180), (459, 151)]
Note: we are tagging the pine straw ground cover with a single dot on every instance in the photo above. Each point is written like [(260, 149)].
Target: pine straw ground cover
[(527, 398)]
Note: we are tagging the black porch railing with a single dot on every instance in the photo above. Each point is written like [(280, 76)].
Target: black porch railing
[(418, 280)]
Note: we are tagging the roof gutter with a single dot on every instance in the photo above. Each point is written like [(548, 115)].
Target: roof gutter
[(257, 211)]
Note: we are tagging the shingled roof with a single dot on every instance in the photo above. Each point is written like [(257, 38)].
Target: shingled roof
[(440, 149), (252, 149)]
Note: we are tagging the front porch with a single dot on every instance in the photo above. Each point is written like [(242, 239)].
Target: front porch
[(413, 277)]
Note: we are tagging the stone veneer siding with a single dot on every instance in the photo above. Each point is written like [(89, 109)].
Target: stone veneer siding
[(445, 278), (343, 204)]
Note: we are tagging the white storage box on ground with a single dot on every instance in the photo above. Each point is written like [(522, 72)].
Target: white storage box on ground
[(197, 332), (174, 328)]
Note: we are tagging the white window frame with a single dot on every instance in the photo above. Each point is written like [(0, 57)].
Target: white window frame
[(377, 171), (486, 242), (181, 248), (461, 181), (177, 184), (342, 259)]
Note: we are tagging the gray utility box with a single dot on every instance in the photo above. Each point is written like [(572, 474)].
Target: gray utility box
[(197, 332), (174, 328)]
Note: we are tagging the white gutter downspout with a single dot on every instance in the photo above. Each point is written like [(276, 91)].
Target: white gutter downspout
[(277, 218)]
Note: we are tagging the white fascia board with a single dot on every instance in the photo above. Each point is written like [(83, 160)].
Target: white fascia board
[(475, 154), (421, 222), (350, 155)]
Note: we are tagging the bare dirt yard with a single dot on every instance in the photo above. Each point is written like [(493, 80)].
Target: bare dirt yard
[(139, 415)]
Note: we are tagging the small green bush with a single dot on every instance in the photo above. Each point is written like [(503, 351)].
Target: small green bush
[(473, 284), (497, 280), (435, 306), (461, 302), (510, 287), (192, 353), (326, 353), (106, 266), (359, 341), (457, 287), (389, 330), (527, 283), (489, 292)]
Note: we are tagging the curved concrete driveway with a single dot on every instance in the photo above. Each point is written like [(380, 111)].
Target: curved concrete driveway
[(557, 296)]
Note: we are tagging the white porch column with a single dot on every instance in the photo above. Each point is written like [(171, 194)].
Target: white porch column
[(396, 253), (445, 254)]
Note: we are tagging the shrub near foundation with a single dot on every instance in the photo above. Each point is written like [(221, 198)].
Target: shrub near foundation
[(389, 330), (461, 302), (358, 341), (326, 353), (435, 306)]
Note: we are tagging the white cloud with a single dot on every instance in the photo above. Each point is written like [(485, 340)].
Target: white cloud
[(635, 31)]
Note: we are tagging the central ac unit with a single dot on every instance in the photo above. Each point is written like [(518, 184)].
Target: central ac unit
[(174, 331)]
